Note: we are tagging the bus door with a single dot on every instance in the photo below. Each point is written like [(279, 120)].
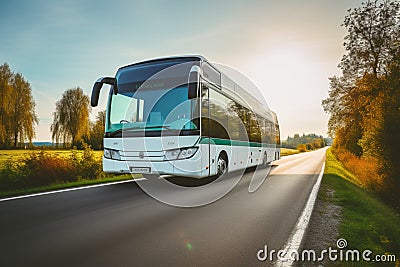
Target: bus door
[(205, 126)]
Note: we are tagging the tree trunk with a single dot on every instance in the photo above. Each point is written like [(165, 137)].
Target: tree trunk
[(15, 139)]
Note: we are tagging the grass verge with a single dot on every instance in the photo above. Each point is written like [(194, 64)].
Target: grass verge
[(367, 222), (53, 187), (288, 151)]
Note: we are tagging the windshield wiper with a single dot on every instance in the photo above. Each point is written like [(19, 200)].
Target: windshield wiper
[(158, 126), (120, 131)]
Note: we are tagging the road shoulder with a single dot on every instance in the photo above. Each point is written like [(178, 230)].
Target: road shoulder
[(323, 229)]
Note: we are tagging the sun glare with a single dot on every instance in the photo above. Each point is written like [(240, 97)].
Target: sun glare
[(293, 80)]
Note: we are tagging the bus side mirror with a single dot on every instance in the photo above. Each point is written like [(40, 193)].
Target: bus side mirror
[(94, 100), (193, 82)]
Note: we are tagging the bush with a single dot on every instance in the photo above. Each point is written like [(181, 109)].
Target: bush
[(366, 170), (302, 148), (11, 176), (86, 166), (44, 169), (41, 169)]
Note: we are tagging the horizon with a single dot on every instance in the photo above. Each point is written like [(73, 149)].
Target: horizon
[(35, 143)]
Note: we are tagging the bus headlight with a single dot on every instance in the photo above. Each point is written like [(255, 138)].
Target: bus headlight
[(183, 153), (187, 152), (171, 154), (111, 154)]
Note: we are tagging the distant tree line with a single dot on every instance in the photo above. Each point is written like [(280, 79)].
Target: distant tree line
[(364, 101), (304, 142), (71, 126)]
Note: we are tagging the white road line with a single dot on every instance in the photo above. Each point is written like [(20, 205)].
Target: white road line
[(70, 189), (295, 239)]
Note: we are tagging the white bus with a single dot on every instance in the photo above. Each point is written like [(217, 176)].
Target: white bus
[(183, 116)]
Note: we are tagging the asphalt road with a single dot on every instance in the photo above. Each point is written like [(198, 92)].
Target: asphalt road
[(120, 225)]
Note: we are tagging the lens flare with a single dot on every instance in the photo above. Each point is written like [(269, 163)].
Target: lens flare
[(189, 246)]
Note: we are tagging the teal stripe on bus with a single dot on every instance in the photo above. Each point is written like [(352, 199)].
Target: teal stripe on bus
[(227, 142)]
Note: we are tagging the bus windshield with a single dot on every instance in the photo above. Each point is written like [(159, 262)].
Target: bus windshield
[(158, 104)]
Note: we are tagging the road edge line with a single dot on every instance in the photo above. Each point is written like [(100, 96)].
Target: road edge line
[(294, 241), (70, 189)]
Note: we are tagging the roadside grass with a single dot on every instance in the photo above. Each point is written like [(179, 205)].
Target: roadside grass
[(25, 172), (367, 222), (288, 151), (59, 186)]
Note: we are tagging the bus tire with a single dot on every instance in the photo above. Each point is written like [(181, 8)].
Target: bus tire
[(222, 164), (265, 160)]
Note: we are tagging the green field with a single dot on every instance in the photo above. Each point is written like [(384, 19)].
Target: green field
[(16, 155), (288, 151), (367, 222)]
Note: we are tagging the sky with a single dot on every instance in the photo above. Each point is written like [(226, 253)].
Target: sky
[(288, 49)]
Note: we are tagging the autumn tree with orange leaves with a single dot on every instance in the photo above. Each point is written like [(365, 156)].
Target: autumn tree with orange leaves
[(364, 102)]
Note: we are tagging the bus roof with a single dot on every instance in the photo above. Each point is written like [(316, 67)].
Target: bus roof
[(184, 58), (229, 86)]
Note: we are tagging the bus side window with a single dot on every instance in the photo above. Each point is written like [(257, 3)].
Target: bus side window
[(204, 110), (218, 114), (233, 120)]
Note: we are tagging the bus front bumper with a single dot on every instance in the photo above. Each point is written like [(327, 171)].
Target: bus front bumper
[(188, 168)]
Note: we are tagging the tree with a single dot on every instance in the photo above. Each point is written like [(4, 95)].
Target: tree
[(97, 131), (364, 102), (17, 109), (23, 111), (371, 44), (306, 142), (390, 111), (373, 36), (6, 77), (345, 117), (71, 118)]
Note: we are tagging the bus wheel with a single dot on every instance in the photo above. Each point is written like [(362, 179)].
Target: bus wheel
[(265, 160), (222, 165)]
